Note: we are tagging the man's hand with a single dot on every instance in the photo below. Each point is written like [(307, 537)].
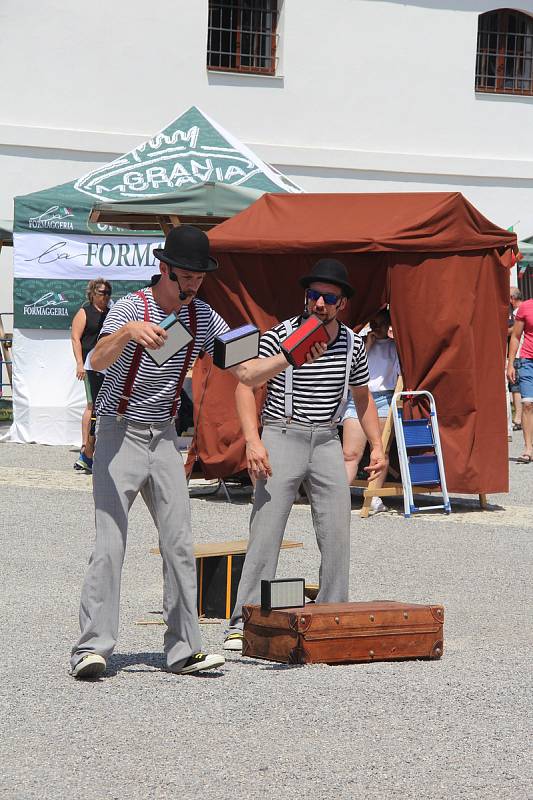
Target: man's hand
[(147, 334), (511, 372), (378, 463), (318, 349), (257, 460), (80, 372)]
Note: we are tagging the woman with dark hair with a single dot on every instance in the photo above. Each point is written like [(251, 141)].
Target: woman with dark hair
[(86, 327)]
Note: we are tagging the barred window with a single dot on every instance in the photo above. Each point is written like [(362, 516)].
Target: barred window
[(504, 61), (242, 36)]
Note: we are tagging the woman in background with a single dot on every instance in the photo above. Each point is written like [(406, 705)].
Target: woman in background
[(86, 327), (384, 369)]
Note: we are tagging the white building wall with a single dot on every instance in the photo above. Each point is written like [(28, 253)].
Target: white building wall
[(370, 95)]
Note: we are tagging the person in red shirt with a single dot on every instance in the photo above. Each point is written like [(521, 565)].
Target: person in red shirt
[(524, 326)]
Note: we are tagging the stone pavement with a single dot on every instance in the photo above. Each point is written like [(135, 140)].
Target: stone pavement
[(457, 728)]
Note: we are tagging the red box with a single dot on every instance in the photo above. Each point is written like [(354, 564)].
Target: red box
[(297, 346)]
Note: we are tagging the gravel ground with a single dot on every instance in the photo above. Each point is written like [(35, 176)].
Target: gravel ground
[(456, 728)]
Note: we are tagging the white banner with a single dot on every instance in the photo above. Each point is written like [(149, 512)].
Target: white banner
[(46, 255)]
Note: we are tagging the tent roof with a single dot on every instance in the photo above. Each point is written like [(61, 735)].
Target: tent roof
[(434, 222), (191, 151), (205, 205)]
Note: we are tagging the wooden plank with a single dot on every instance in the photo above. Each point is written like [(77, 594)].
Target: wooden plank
[(231, 548), (6, 351)]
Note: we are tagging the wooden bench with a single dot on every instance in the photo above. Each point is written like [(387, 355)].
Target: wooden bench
[(218, 571)]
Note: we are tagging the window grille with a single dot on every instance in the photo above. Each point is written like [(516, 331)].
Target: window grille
[(242, 36), (504, 61)]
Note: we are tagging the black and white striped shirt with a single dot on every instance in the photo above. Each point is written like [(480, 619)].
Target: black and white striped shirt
[(154, 387), (317, 387)]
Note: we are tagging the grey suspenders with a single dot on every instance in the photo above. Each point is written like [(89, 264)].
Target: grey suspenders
[(288, 378), (341, 408), (339, 411)]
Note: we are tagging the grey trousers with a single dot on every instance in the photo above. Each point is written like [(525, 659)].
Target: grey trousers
[(132, 458), (312, 455)]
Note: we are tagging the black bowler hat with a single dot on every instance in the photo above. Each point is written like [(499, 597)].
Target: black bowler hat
[(187, 247), (329, 270)]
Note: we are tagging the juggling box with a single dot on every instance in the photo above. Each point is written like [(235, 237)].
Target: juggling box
[(297, 346), (236, 346), (178, 337), (282, 593)]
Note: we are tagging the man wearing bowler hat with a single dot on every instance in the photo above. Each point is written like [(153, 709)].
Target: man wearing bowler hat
[(300, 442), (137, 451)]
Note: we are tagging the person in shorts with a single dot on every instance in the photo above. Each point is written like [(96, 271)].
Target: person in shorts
[(515, 301), (384, 369), (523, 327)]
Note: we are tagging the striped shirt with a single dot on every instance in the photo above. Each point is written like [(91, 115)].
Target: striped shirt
[(318, 387), (154, 388)]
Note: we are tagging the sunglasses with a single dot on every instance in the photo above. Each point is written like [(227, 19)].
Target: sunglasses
[(329, 298), (105, 292)]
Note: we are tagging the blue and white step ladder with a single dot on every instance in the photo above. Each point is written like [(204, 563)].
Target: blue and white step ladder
[(413, 435)]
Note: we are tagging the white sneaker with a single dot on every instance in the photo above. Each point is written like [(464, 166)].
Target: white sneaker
[(233, 641), (90, 666), (199, 662), (376, 506)]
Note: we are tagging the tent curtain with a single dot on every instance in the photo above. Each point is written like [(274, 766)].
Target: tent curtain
[(218, 446), (443, 267), (456, 351)]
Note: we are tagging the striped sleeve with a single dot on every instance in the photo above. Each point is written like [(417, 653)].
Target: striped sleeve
[(359, 375), (120, 313), (269, 344), (215, 327)]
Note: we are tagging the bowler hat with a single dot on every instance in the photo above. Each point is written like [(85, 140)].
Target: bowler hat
[(187, 247), (329, 270)]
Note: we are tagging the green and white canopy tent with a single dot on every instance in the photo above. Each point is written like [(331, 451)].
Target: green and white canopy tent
[(192, 168), (526, 249), (525, 268)]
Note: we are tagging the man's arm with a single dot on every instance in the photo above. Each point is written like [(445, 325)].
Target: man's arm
[(259, 370), (257, 460), (110, 346), (514, 344), (368, 417)]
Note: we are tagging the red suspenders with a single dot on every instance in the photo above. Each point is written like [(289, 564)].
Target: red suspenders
[(136, 360), (187, 359)]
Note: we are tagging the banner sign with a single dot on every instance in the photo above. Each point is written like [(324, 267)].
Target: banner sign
[(49, 255), (52, 304), (51, 273)]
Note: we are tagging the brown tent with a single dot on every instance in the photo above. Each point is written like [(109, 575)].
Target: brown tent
[(442, 267)]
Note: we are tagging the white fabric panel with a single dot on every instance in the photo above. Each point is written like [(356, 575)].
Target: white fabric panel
[(48, 400), (49, 255)]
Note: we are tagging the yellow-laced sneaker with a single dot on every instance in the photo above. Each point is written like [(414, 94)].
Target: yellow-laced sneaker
[(199, 662)]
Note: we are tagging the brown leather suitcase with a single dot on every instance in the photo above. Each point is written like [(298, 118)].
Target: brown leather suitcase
[(344, 633)]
